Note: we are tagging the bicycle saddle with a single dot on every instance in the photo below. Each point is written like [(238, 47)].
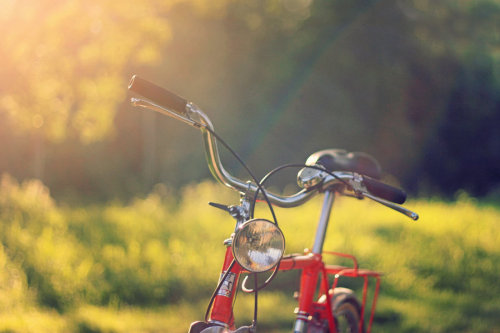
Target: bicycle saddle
[(341, 160)]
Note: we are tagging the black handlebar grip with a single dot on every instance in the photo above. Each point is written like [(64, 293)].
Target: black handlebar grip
[(157, 94), (384, 191)]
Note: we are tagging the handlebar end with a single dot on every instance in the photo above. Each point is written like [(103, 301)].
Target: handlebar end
[(131, 82), (158, 95), (384, 191)]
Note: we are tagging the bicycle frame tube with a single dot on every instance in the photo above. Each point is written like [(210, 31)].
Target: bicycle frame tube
[(323, 222), (311, 271), (314, 272), (222, 312), (311, 265)]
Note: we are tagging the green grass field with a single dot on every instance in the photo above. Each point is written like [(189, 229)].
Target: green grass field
[(150, 265)]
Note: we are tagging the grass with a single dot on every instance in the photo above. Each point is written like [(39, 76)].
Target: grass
[(150, 265)]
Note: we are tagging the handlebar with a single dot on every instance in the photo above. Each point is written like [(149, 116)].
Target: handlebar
[(384, 191), (159, 95), (168, 103)]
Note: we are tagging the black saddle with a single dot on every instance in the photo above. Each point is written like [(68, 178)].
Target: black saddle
[(341, 160)]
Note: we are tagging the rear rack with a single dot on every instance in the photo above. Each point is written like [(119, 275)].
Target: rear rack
[(355, 272)]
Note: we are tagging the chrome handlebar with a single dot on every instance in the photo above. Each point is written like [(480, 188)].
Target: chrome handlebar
[(318, 181), (196, 118)]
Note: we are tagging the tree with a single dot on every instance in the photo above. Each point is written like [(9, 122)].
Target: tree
[(64, 61)]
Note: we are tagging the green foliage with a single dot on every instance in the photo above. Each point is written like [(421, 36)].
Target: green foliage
[(64, 70), (36, 238), (106, 255), (132, 267), (405, 80)]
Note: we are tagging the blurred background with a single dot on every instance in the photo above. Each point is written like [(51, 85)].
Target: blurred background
[(415, 83)]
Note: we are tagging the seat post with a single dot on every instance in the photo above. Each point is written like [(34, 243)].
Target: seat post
[(323, 222)]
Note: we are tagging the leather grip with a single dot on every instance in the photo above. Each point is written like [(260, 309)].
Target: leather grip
[(157, 95), (384, 191)]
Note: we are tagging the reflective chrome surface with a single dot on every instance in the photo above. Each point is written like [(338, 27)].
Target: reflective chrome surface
[(258, 245), (309, 177), (414, 216), (319, 239), (312, 182), (218, 171), (197, 118)]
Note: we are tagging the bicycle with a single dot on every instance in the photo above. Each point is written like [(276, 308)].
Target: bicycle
[(257, 245)]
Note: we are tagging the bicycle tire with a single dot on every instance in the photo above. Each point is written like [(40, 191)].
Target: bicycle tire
[(346, 310)]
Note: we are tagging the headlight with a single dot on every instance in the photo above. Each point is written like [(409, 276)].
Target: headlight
[(258, 245)]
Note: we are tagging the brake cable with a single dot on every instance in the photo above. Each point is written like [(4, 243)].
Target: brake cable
[(252, 209), (259, 188), (295, 165), (216, 291)]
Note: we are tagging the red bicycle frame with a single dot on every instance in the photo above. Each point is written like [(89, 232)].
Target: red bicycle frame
[(314, 277), (311, 264), (313, 268)]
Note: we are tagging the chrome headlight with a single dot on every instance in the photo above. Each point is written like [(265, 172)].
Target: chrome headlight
[(258, 245)]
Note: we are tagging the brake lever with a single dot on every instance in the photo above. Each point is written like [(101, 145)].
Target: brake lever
[(414, 216), (155, 107), (360, 190)]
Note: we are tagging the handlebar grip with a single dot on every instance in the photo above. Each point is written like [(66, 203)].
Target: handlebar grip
[(158, 95), (384, 191)]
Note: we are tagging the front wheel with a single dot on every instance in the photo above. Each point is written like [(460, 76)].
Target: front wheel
[(346, 311)]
